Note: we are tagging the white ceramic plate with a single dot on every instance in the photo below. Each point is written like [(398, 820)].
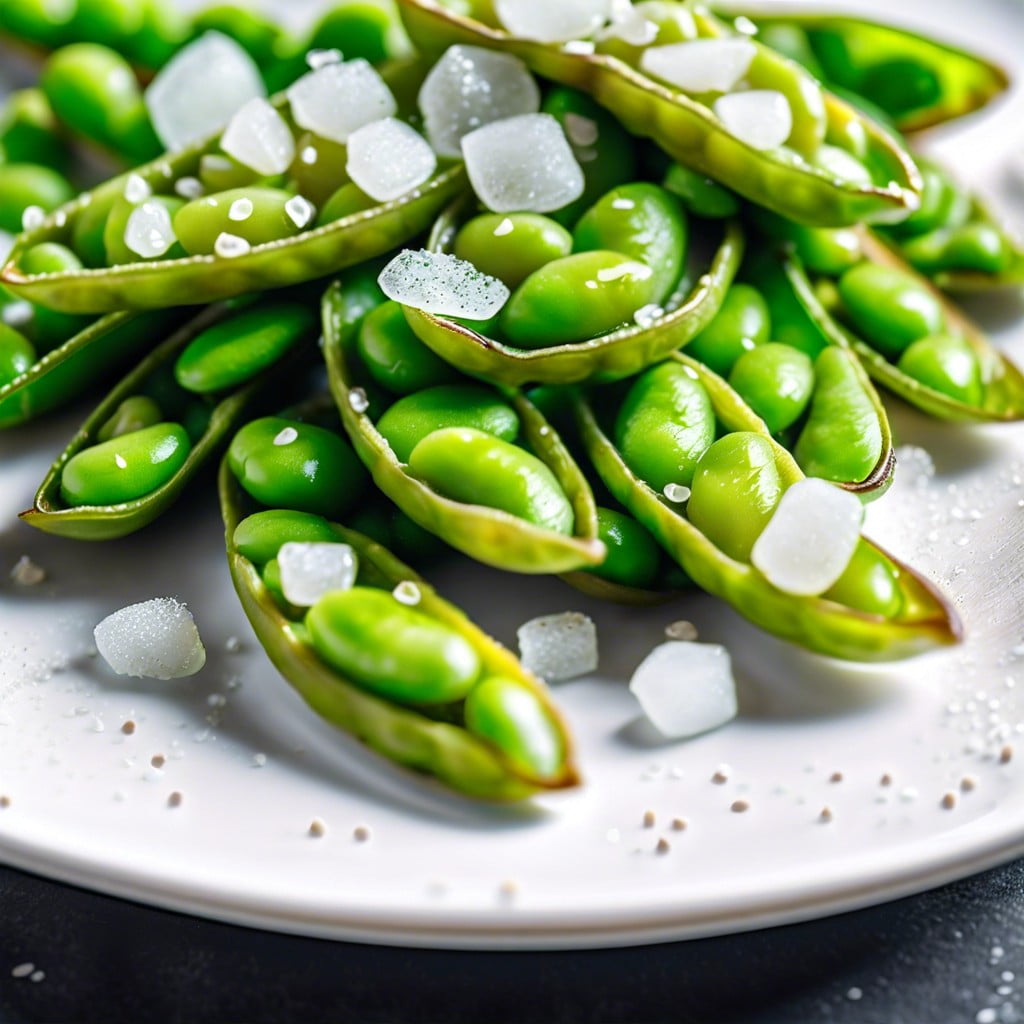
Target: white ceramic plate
[(254, 767)]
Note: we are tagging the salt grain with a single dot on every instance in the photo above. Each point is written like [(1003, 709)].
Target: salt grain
[(676, 493), (337, 99), (32, 217), (321, 58), (762, 118), (407, 593), (358, 400), (23, 970), (300, 211), (136, 188), (26, 573), (388, 158), (155, 639), (311, 570), (258, 137), (552, 22), (148, 231), (189, 187), (441, 283), (700, 65), (682, 629), (558, 647), (228, 246)]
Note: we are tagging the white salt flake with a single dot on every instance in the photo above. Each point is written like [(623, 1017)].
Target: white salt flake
[(630, 24), (258, 137), (438, 282), (189, 187), (300, 211), (17, 314), (285, 436), (700, 65), (26, 573), (22, 970), (336, 99), (241, 209), (553, 21), (762, 118), (136, 188), (558, 647), (199, 89), (522, 163), (310, 570), (228, 245), (155, 639), (388, 158), (358, 400), (470, 87), (149, 232), (321, 58), (685, 688), (32, 217), (810, 537), (407, 593)]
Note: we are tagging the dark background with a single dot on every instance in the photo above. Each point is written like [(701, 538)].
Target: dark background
[(952, 955)]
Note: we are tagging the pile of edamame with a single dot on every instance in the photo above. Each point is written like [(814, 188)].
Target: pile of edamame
[(699, 328)]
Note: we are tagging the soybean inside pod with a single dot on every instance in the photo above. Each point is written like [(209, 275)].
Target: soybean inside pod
[(708, 501), (550, 291), (211, 227), (822, 161), (416, 682), (917, 81), (460, 474), (154, 431)]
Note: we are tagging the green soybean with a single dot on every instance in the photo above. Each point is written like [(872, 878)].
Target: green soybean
[(870, 583), (512, 246), (318, 170), (135, 413), (511, 716), (742, 322), (391, 649), (347, 200), (633, 558), (664, 425), (16, 354), (257, 214), (235, 350), (576, 298), (260, 536), (976, 246), (394, 357), (25, 185), (125, 468), (29, 132), (889, 307), (289, 464), (470, 466), (776, 381), (412, 418), (699, 194), (643, 221), (946, 363), (736, 487)]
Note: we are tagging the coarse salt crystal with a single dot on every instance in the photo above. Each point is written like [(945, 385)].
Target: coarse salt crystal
[(310, 570), (557, 647), (440, 283), (762, 118), (686, 688), (136, 188), (336, 99), (300, 211), (229, 246), (553, 21), (149, 232), (26, 573), (32, 217), (258, 137), (700, 65), (388, 158), (154, 639)]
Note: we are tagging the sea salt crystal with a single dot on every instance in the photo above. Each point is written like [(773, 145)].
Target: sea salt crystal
[(629, 24), (558, 647), (470, 87), (199, 89), (258, 137), (26, 573), (321, 58), (700, 65), (310, 570), (552, 21), (810, 537), (149, 232), (300, 211), (336, 99), (136, 188), (189, 187), (32, 217), (388, 158), (229, 246), (685, 688), (762, 118), (522, 163), (241, 209), (441, 283), (155, 639)]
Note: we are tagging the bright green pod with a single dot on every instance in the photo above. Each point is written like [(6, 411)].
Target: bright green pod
[(890, 308), (947, 364), (394, 357), (260, 536), (115, 229), (511, 246), (634, 558), (93, 90), (700, 194), (736, 487), (977, 247), (16, 354), (391, 649), (125, 468), (412, 418), (47, 327), (25, 185), (29, 132), (50, 258), (541, 313), (255, 213), (842, 439), (289, 464), (135, 413), (510, 715), (664, 426), (643, 221), (605, 151), (237, 349), (470, 466), (776, 381), (742, 321)]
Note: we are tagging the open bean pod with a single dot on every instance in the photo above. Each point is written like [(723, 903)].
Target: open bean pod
[(619, 353), (499, 763), (160, 282), (918, 618), (915, 80), (488, 534), (164, 455), (885, 188)]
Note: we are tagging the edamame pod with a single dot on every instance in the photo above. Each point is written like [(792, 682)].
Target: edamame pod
[(514, 742), (691, 133)]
